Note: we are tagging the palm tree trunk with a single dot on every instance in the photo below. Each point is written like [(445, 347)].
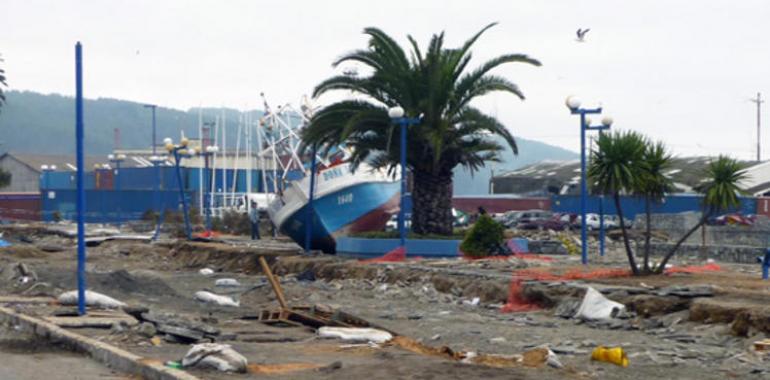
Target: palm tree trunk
[(630, 254), (647, 235), (432, 203), (673, 250)]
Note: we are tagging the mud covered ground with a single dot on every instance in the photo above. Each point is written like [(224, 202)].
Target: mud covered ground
[(432, 301)]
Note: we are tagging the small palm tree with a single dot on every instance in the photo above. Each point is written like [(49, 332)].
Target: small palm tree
[(436, 83), (720, 194), (617, 165), (653, 186)]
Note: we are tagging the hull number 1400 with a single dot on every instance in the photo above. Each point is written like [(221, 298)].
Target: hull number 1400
[(345, 198)]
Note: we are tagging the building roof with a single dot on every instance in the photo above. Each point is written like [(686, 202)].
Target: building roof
[(62, 162), (563, 177)]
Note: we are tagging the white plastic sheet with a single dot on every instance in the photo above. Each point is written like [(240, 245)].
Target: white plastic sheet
[(595, 306)]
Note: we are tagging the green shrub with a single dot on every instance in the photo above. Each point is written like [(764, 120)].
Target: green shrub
[(483, 238)]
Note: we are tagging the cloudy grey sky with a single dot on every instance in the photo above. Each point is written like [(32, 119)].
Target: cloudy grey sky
[(681, 71)]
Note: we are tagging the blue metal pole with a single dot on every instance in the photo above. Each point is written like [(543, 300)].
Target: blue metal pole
[(601, 225), (186, 214), (583, 190), (401, 210), (81, 197), (766, 264), (310, 211)]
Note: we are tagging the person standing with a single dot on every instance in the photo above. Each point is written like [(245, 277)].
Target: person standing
[(254, 219)]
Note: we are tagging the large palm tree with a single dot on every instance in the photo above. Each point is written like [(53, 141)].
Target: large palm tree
[(436, 84), (617, 164), (653, 186), (720, 194)]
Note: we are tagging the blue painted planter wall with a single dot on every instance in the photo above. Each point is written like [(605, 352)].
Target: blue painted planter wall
[(369, 248)]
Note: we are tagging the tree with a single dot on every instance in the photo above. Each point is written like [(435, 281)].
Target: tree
[(2, 84), (720, 193), (653, 186), (617, 165), (436, 84)]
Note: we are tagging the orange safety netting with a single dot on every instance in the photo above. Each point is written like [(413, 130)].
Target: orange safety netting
[(517, 303), (394, 256), (208, 234)]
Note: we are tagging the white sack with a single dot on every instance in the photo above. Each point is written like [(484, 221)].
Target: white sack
[(356, 334), (92, 299), (216, 299), (214, 355)]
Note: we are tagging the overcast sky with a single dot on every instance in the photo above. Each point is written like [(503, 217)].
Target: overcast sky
[(680, 71)]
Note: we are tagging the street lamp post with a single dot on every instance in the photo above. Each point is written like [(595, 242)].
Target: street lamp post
[(180, 151), (573, 103), (396, 114), (117, 159)]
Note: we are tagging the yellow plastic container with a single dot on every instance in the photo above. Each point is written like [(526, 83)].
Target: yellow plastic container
[(614, 355)]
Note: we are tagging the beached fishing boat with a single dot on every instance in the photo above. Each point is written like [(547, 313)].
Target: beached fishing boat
[(344, 202)]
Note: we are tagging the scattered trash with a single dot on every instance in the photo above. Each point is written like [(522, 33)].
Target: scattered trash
[(173, 364), (227, 282), (436, 337), (762, 345), (597, 307), (92, 299), (356, 334), (4, 243), (155, 341), (214, 355), (614, 355), (499, 339), (307, 275), (553, 360), (206, 271), (209, 297), (473, 302)]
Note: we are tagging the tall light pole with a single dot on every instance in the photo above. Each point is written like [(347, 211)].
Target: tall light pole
[(758, 101), (179, 151), (117, 159), (396, 114), (573, 103)]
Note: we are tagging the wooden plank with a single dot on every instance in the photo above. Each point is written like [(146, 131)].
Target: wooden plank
[(273, 282)]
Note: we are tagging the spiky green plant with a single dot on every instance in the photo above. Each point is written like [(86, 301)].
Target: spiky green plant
[(720, 193), (617, 166), (653, 186)]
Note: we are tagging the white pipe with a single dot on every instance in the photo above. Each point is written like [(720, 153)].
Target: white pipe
[(249, 167), (213, 166), (224, 158), (200, 167), (237, 156)]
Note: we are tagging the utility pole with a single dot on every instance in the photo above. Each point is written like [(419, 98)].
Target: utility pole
[(758, 101)]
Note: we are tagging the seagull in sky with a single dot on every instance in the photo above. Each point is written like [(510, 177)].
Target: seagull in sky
[(581, 35)]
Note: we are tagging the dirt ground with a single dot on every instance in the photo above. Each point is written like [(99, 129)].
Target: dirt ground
[(431, 301)]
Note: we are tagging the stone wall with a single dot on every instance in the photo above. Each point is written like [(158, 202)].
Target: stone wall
[(676, 225), (724, 253)]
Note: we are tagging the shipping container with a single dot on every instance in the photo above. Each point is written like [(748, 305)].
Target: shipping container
[(20, 206)]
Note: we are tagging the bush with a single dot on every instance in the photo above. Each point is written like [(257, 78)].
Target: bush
[(484, 238)]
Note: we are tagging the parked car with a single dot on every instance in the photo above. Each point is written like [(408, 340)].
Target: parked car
[(557, 222), (533, 219)]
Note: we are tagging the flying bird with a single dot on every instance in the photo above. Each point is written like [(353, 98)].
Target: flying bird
[(581, 35)]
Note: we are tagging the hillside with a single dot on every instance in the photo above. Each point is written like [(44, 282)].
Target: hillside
[(36, 123)]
